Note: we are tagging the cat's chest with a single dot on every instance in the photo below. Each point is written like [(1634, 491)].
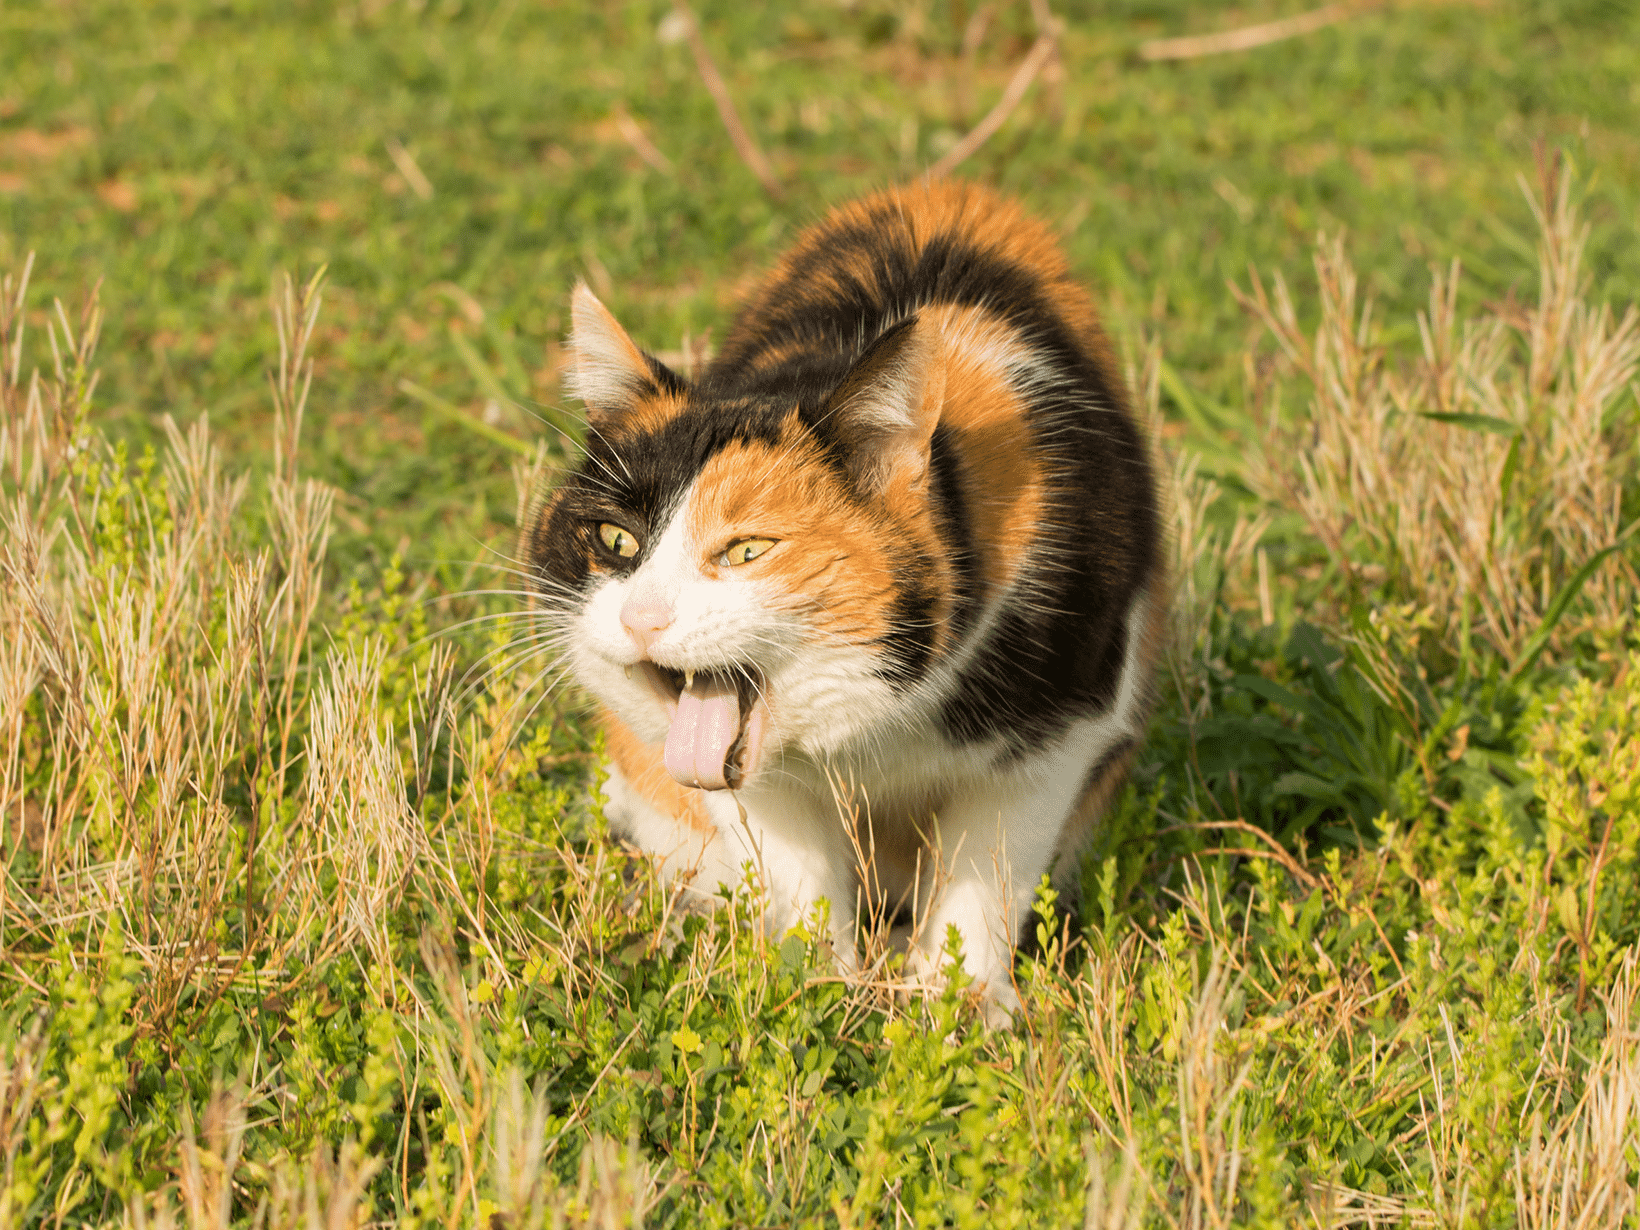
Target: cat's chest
[(904, 768)]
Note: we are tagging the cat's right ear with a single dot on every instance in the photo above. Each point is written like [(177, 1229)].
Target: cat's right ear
[(889, 403), (607, 371)]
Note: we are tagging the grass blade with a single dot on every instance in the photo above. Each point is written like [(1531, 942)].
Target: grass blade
[(457, 415), (1533, 649), (1474, 422)]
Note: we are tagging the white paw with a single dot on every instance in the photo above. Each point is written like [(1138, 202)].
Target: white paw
[(998, 1004), (998, 1001)]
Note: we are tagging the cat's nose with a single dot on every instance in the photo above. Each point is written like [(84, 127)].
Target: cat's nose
[(645, 619)]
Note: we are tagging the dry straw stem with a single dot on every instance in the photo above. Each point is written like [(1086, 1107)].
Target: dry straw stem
[(1490, 469), (18, 409), (1042, 53), (322, 1192), (892, 933), (1210, 1111), (410, 169), (1245, 38), (42, 419), (295, 313), (498, 1131), (1576, 1169), (1198, 1188), (745, 144), (22, 1082), (1113, 1206), (634, 135)]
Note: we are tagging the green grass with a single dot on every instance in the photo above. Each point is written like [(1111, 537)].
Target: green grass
[(306, 918)]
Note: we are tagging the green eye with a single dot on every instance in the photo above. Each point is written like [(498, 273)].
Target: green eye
[(745, 551), (621, 542)]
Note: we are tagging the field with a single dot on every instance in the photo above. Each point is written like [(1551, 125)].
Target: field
[(307, 917)]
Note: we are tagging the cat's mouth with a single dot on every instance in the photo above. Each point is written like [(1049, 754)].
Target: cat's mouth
[(718, 721)]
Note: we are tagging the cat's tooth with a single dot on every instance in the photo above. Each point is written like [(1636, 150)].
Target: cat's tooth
[(688, 680), (629, 672)]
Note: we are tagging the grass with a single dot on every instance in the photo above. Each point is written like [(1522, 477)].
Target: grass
[(306, 916)]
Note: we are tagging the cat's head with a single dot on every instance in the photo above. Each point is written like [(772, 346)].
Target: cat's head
[(748, 563)]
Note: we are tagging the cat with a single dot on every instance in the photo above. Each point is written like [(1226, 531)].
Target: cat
[(899, 536)]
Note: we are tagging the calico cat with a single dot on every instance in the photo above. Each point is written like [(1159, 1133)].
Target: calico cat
[(900, 533)]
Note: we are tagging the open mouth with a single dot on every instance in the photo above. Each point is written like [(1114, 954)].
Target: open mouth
[(718, 721)]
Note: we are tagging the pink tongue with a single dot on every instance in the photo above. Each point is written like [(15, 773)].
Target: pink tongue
[(704, 729)]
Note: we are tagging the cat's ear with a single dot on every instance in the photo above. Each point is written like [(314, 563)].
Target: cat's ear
[(887, 407), (608, 371)]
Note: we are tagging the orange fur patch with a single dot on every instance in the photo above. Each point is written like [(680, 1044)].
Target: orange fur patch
[(924, 210), (1001, 476), (644, 416), (645, 771), (834, 560)]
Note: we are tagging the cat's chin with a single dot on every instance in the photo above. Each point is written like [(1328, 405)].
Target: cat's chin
[(717, 720)]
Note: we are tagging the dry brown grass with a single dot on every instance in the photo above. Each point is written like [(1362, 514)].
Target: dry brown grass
[(1487, 512), (1206, 561), (171, 663)]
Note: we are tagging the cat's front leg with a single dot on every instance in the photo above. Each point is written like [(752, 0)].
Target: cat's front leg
[(800, 853), (986, 864), (686, 844), (993, 841)]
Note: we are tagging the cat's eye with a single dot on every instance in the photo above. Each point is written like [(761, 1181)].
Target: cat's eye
[(620, 542), (745, 551)]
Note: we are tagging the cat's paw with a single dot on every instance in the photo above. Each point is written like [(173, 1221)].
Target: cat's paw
[(999, 1005), (997, 999)]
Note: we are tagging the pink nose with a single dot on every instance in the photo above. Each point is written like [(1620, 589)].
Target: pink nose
[(645, 619)]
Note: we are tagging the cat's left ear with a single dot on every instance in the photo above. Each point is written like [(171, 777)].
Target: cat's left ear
[(609, 372), (888, 405)]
